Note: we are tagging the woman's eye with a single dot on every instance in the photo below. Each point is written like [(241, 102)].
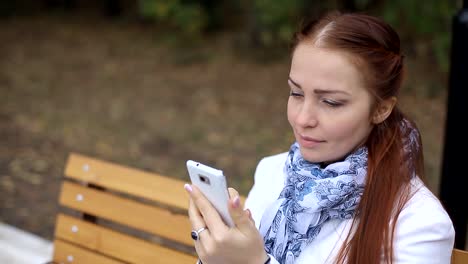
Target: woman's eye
[(332, 103), (295, 94)]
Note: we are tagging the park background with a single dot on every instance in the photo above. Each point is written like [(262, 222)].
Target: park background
[(152, 83)]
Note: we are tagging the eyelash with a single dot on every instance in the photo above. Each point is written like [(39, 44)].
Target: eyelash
[(295, 94), (332, 103)]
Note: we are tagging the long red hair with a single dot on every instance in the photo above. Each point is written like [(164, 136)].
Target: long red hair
[(392, 160)]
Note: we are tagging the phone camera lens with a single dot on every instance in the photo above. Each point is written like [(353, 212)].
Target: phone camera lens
[(204, 179)]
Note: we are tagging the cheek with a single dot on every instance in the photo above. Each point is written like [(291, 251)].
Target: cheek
[(290, 112), (354, 127)]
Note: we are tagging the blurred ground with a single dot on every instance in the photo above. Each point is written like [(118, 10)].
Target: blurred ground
[(116, 91)]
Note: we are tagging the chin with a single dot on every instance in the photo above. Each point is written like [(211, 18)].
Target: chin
[(310, 155), (315, 156)]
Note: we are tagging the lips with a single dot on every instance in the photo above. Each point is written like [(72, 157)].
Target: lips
[(311, 139), (309, 142)]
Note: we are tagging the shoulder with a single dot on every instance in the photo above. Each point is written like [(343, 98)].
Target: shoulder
[(270, 168), (424, 232), (271, 163), (268, 183), (424, 203), (269, 171), (280, 157)]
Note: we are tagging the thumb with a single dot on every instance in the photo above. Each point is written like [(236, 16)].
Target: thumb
[(240, 218)]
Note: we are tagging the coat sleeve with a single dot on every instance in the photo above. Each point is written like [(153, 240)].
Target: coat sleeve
[(424, 232)]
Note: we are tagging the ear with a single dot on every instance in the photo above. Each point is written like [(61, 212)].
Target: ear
[(383, 110)]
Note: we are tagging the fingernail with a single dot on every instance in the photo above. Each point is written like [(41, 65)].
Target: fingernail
[(236, 202), (188, 188), (249, 214)]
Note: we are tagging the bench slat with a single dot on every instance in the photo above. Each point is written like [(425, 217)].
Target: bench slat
[(117, 245), (459, 256), (127, 212), (127, 180), (63, 251)]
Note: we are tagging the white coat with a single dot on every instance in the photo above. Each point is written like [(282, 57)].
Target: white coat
[(424, 232)]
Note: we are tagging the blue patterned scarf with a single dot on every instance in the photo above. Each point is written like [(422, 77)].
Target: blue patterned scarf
[(312, 195)]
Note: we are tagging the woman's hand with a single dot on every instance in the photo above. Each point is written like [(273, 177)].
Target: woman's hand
[(221, 243)]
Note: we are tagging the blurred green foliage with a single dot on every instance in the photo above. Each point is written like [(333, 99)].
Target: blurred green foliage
[(188, 18), (269, 24), (273, 21), (426, 25)]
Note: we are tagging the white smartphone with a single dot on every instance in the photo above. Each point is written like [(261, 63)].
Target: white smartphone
[(212, 183)]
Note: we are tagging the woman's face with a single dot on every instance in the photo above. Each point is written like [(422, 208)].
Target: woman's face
[(329, 108)]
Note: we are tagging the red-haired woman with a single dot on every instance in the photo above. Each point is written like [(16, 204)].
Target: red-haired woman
[(350, 189)]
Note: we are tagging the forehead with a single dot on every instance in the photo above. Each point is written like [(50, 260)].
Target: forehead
[(320, 68)]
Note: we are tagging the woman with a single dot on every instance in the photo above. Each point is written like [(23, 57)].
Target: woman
[(349, 190)]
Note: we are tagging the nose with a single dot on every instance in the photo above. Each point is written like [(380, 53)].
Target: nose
[(307, 116)]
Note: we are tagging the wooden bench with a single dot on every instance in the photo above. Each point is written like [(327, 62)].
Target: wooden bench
[(118, 214), (459, 256)]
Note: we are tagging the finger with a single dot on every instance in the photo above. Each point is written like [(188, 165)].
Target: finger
[(232, 192), (249, 214), (211, 217), (197, 221), (239, 216)]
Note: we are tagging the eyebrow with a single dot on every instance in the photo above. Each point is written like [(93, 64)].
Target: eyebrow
[(318, 91)]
